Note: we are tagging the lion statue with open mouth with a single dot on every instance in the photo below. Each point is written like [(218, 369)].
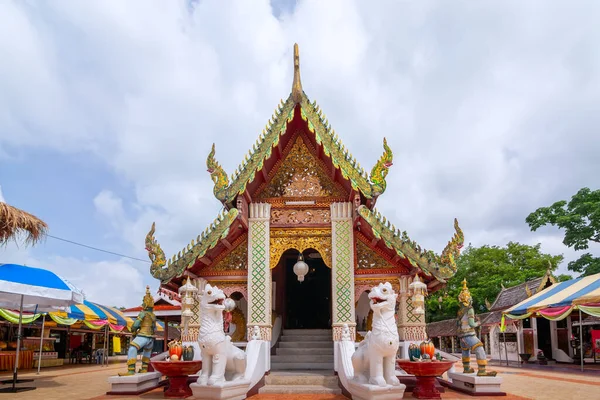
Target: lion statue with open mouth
[(219, 356), (374, 360)]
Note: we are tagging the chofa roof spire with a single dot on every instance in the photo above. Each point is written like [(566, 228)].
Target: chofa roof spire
[(297, 84)]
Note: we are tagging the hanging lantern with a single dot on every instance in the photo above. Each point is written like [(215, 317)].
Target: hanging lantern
[(300, 268), (229, 305), (419, 290)]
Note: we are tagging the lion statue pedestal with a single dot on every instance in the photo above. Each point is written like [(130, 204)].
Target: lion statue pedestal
[(374, 361), (223, 364)]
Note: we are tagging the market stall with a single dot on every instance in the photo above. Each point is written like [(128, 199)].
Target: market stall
[(558, 301)]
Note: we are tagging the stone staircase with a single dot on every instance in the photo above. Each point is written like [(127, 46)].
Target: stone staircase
[(303, 363), (305, 382), (304, 349)]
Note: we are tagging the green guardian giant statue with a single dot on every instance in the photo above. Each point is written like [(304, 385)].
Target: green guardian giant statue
[(143, 331), (469, 342)]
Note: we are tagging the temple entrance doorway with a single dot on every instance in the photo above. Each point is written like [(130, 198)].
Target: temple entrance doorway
[(307, 304)]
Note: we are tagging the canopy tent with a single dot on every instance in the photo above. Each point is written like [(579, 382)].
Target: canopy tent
[(94, 316), (558, 301), (22, 286)]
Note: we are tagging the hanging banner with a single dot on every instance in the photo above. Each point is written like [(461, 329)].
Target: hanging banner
[(116, 344), (13, 317), (596, 341)]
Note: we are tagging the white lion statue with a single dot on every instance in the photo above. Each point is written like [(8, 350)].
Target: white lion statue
[(219, 355), (374, 360)]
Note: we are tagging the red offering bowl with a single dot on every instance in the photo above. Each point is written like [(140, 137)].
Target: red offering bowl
[(426, 372), (177, 372)]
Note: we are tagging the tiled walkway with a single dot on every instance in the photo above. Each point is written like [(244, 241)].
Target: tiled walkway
[(90, 383)]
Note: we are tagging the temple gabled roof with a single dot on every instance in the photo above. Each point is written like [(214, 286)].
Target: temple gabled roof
[(298, 122), (432, 265), (369, 185), (508, 297)]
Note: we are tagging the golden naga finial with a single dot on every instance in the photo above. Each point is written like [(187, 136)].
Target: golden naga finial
[(297, 84), (465, 296)]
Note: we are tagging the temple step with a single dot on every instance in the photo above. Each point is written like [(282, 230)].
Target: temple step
[(304, 345), (295, 366), (304, 389), (301, 351), (307, 332), (301, 358), (301, 378), (306, 338)]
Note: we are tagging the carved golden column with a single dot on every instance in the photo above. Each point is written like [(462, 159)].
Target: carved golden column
[(411, 326), (259, 272), (342, 271)]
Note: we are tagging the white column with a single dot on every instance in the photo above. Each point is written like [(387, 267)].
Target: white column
[(342, 269), (259, 271)]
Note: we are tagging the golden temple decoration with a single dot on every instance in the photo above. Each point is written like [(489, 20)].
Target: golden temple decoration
[(300, 175), (369, 259), (236, 260), (237, 318), (297, 84), (464, 296), (300, 239), (297, 216)]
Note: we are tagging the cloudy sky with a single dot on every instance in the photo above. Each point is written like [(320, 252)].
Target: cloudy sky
[(108, 110)]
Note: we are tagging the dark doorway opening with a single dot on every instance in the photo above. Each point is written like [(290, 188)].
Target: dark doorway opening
[(308, 303), (544, 339)]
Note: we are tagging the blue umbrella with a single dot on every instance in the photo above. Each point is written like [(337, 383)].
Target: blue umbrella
[(26, 288)]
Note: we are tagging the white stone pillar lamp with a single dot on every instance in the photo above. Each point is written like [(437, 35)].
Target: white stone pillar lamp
[(187, 292), (418, 290), (300, 268)]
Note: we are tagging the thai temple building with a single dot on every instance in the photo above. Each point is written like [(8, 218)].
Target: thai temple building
[(300, 240)]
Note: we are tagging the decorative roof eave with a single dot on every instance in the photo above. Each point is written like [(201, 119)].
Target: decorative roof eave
[(440, 267), (218, 230), (370, 186)]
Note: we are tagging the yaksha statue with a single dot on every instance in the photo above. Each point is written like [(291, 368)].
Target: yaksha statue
[(375, 359), (143, 331), (219, 355), (469, 342)]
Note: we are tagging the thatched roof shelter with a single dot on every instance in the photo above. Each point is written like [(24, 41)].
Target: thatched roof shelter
[(15, 222)]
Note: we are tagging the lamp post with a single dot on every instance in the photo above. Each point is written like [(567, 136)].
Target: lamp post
[(188, 292)]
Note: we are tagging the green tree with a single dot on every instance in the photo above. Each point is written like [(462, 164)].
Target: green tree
[(487, 269), (580, 218)]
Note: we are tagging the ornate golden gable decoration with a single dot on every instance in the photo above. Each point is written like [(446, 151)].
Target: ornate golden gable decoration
[(300, 239), (236, 260), (300, 175), (366, 258)]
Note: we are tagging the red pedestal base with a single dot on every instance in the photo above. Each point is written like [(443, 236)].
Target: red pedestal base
[(425, 388), (178, 387), (426, 373), (178, 373)]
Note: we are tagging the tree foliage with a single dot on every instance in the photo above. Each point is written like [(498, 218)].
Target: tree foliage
[(486, 269), (580, 219)]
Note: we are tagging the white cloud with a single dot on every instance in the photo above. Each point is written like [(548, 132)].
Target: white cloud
[(1, 196), (116, 283), (491, 110)]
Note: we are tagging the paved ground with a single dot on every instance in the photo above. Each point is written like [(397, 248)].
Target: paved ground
[(90, 383)]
